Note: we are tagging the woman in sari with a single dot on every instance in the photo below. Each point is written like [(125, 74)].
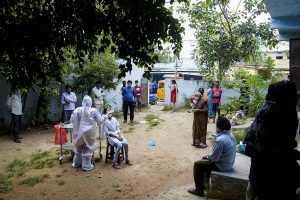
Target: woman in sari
[(200, 121)]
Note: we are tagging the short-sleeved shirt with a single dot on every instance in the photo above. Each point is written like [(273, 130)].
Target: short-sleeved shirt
[(138, 91), (216, 95)]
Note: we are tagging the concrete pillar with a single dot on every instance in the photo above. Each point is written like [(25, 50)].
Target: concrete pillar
[(295, 61)]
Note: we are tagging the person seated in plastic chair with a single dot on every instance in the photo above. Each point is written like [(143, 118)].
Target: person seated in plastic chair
[(113, 134), (85, 119)]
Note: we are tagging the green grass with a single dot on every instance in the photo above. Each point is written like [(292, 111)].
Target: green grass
[(129, 130), (167, 108), (40, 160), (152, 120), (33, 180), (5, 184), (146, 107), (117, 115), (60, 182)]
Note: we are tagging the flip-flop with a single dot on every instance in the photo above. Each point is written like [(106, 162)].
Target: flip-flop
[(116, 166)]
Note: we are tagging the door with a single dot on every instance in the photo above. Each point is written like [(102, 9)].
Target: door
[(161, 90)]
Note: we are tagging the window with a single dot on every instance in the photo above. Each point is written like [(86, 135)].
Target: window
[(279, 57)]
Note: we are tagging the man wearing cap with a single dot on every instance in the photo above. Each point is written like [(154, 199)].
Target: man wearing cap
[(115, 138), (221, 159)]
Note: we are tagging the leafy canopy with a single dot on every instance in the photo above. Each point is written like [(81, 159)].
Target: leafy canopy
[(225, 37), (33, 34)]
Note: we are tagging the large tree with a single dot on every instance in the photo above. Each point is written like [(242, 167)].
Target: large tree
[(225, 37), (33, 34)]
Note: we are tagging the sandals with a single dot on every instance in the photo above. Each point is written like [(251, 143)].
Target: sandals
[(116, 166), (128, 162)]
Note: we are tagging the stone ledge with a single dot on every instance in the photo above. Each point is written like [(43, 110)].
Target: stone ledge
[(231, 185)]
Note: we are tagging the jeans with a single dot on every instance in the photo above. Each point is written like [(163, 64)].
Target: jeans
[(202, 168), (16, 122), (119, 147), (125, 111), (67, 115)]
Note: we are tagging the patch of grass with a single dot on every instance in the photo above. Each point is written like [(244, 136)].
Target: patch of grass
[(167, 108), (38, 161), (40, 155), (60, 182), (152, 120), (5, 184), (146, 107), (117, 114), (33, 180)]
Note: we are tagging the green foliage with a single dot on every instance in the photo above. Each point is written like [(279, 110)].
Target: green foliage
[(226, 37), (34, 33), (101, 67), (5, 184), (33, 180), (257, 85), (239, 135), (240, 74)]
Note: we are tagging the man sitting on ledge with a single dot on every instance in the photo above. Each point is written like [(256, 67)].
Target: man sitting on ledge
[(221, 159)]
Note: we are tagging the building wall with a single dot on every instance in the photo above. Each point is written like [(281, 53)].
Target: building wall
[(186, 88), (114, 97), (5, 117)]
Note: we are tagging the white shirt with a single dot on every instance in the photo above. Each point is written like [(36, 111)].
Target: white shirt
[(72, 97), (14, 103), (98, 94), (112, 127)]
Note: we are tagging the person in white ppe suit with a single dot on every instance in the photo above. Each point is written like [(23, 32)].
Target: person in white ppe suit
[(85, 120), (115, 138)]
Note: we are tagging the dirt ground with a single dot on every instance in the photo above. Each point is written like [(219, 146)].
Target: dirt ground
[(160, 172)]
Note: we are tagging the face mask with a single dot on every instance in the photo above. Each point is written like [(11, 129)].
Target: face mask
[(197, 98)]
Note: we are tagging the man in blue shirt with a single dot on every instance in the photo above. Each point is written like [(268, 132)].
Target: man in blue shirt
[(221, 159), (128, 101)]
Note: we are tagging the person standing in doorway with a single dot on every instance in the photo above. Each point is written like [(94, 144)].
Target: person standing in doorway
[(128, 100), (68, 99), (98, 94), (174, 91), (14, 103), (216, 100), (138, 94)]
